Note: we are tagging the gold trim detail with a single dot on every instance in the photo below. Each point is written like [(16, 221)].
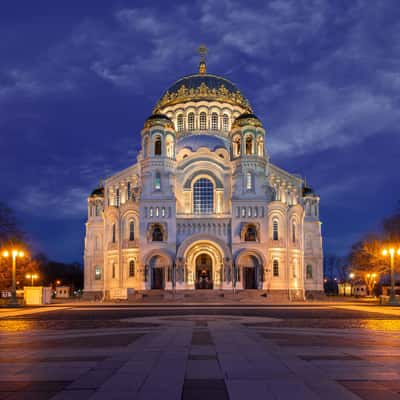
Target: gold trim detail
[(202, 92)]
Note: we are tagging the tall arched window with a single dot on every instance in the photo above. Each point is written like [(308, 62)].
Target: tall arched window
[(113, 233), (309, 271), (275, 267), (236, 146), (203, 121), (203, 196), (157, 146), (249, 181), (113, 270), (225, 122), (117, 198), (157, 234), (128, 190), (250, 234), (131, 268), (131, 230), (260, 147), (214, 121), (191, 126), (180, 122), (275, 230), (97, 273), (293, 232), (249, 145), (157, 181)]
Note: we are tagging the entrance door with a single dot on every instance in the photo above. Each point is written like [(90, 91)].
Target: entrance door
[(249, 277), (204, 272), (158, 278)]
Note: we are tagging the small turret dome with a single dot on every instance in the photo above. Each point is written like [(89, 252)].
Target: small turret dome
[(247, 119), (158, 119)]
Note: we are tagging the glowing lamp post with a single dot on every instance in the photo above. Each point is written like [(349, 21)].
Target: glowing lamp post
[(391, 252), (13, 254), (32, 277)]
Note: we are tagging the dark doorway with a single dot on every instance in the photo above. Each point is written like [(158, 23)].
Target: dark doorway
[(204, 272), (158, 278), (249, 278)]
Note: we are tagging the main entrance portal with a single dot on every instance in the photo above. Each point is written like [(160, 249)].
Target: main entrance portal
[(204, 277)]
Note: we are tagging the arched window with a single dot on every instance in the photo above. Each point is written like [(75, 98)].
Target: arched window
[(163, 211), (157, 234), (117, 198), (249, 181), (236, 146), (250, 234), (293, 232), (191, 121), (249, 145), (131, 231), (97, 273), (180, 122), (157, 181), (169, 144), (275, 230), (131, 268), (128, 191), (113, 233), (113, 270), (203, 121), (225, 122), (157, 211), (203, 196), (309, 271), (214, 121), (151, 212), (275, 267), (97, 209), (260, 147), (157, 146)]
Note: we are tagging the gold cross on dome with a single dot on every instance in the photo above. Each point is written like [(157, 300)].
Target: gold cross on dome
[(202, 65)]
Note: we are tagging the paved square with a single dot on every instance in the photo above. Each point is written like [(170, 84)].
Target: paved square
[(201, 352)]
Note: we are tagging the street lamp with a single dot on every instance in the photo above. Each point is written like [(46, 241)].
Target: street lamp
[(32, 277), (351, 276), (391, 252), (13, 254)]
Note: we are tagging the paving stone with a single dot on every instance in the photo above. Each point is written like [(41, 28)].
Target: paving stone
[(203, 369)]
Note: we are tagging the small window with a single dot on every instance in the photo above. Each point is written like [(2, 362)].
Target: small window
[(275, 233), (146, 146), (157, 146), (275, 268), (256, 211), (293, 232), (97, 209), (97, 273), (113, 233), (260, 147), (131, 231), (250, 234), (131, 268), (113, 270), (157, 181), (163, 211), (236, 146), (214, 121), (243, 212), (128, 191), (225, 122), (249, 145), (249, 211), (309, 271), (203, 121), (249, 181), (191, 122), (180, 122), (118, 198), (157, 235), (157, 211), (151, 212)]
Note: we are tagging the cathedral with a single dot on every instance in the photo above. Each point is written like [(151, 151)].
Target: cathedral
[(203, 208)]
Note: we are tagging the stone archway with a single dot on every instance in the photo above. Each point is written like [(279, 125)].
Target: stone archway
[(157, 265), (207, 246), (251, 269)]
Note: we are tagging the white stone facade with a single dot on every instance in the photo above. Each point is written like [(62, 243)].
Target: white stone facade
[(203, 207)]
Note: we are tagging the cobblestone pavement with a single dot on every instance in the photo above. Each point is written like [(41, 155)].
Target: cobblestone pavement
[(208, 352)]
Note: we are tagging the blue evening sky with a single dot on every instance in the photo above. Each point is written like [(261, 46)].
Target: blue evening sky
[(78, 79)]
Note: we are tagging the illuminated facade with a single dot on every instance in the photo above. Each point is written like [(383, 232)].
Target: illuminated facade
[(203, 207)]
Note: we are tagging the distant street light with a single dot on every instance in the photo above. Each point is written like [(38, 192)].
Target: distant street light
[(14, 253), (391, 252), (32, 277)]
